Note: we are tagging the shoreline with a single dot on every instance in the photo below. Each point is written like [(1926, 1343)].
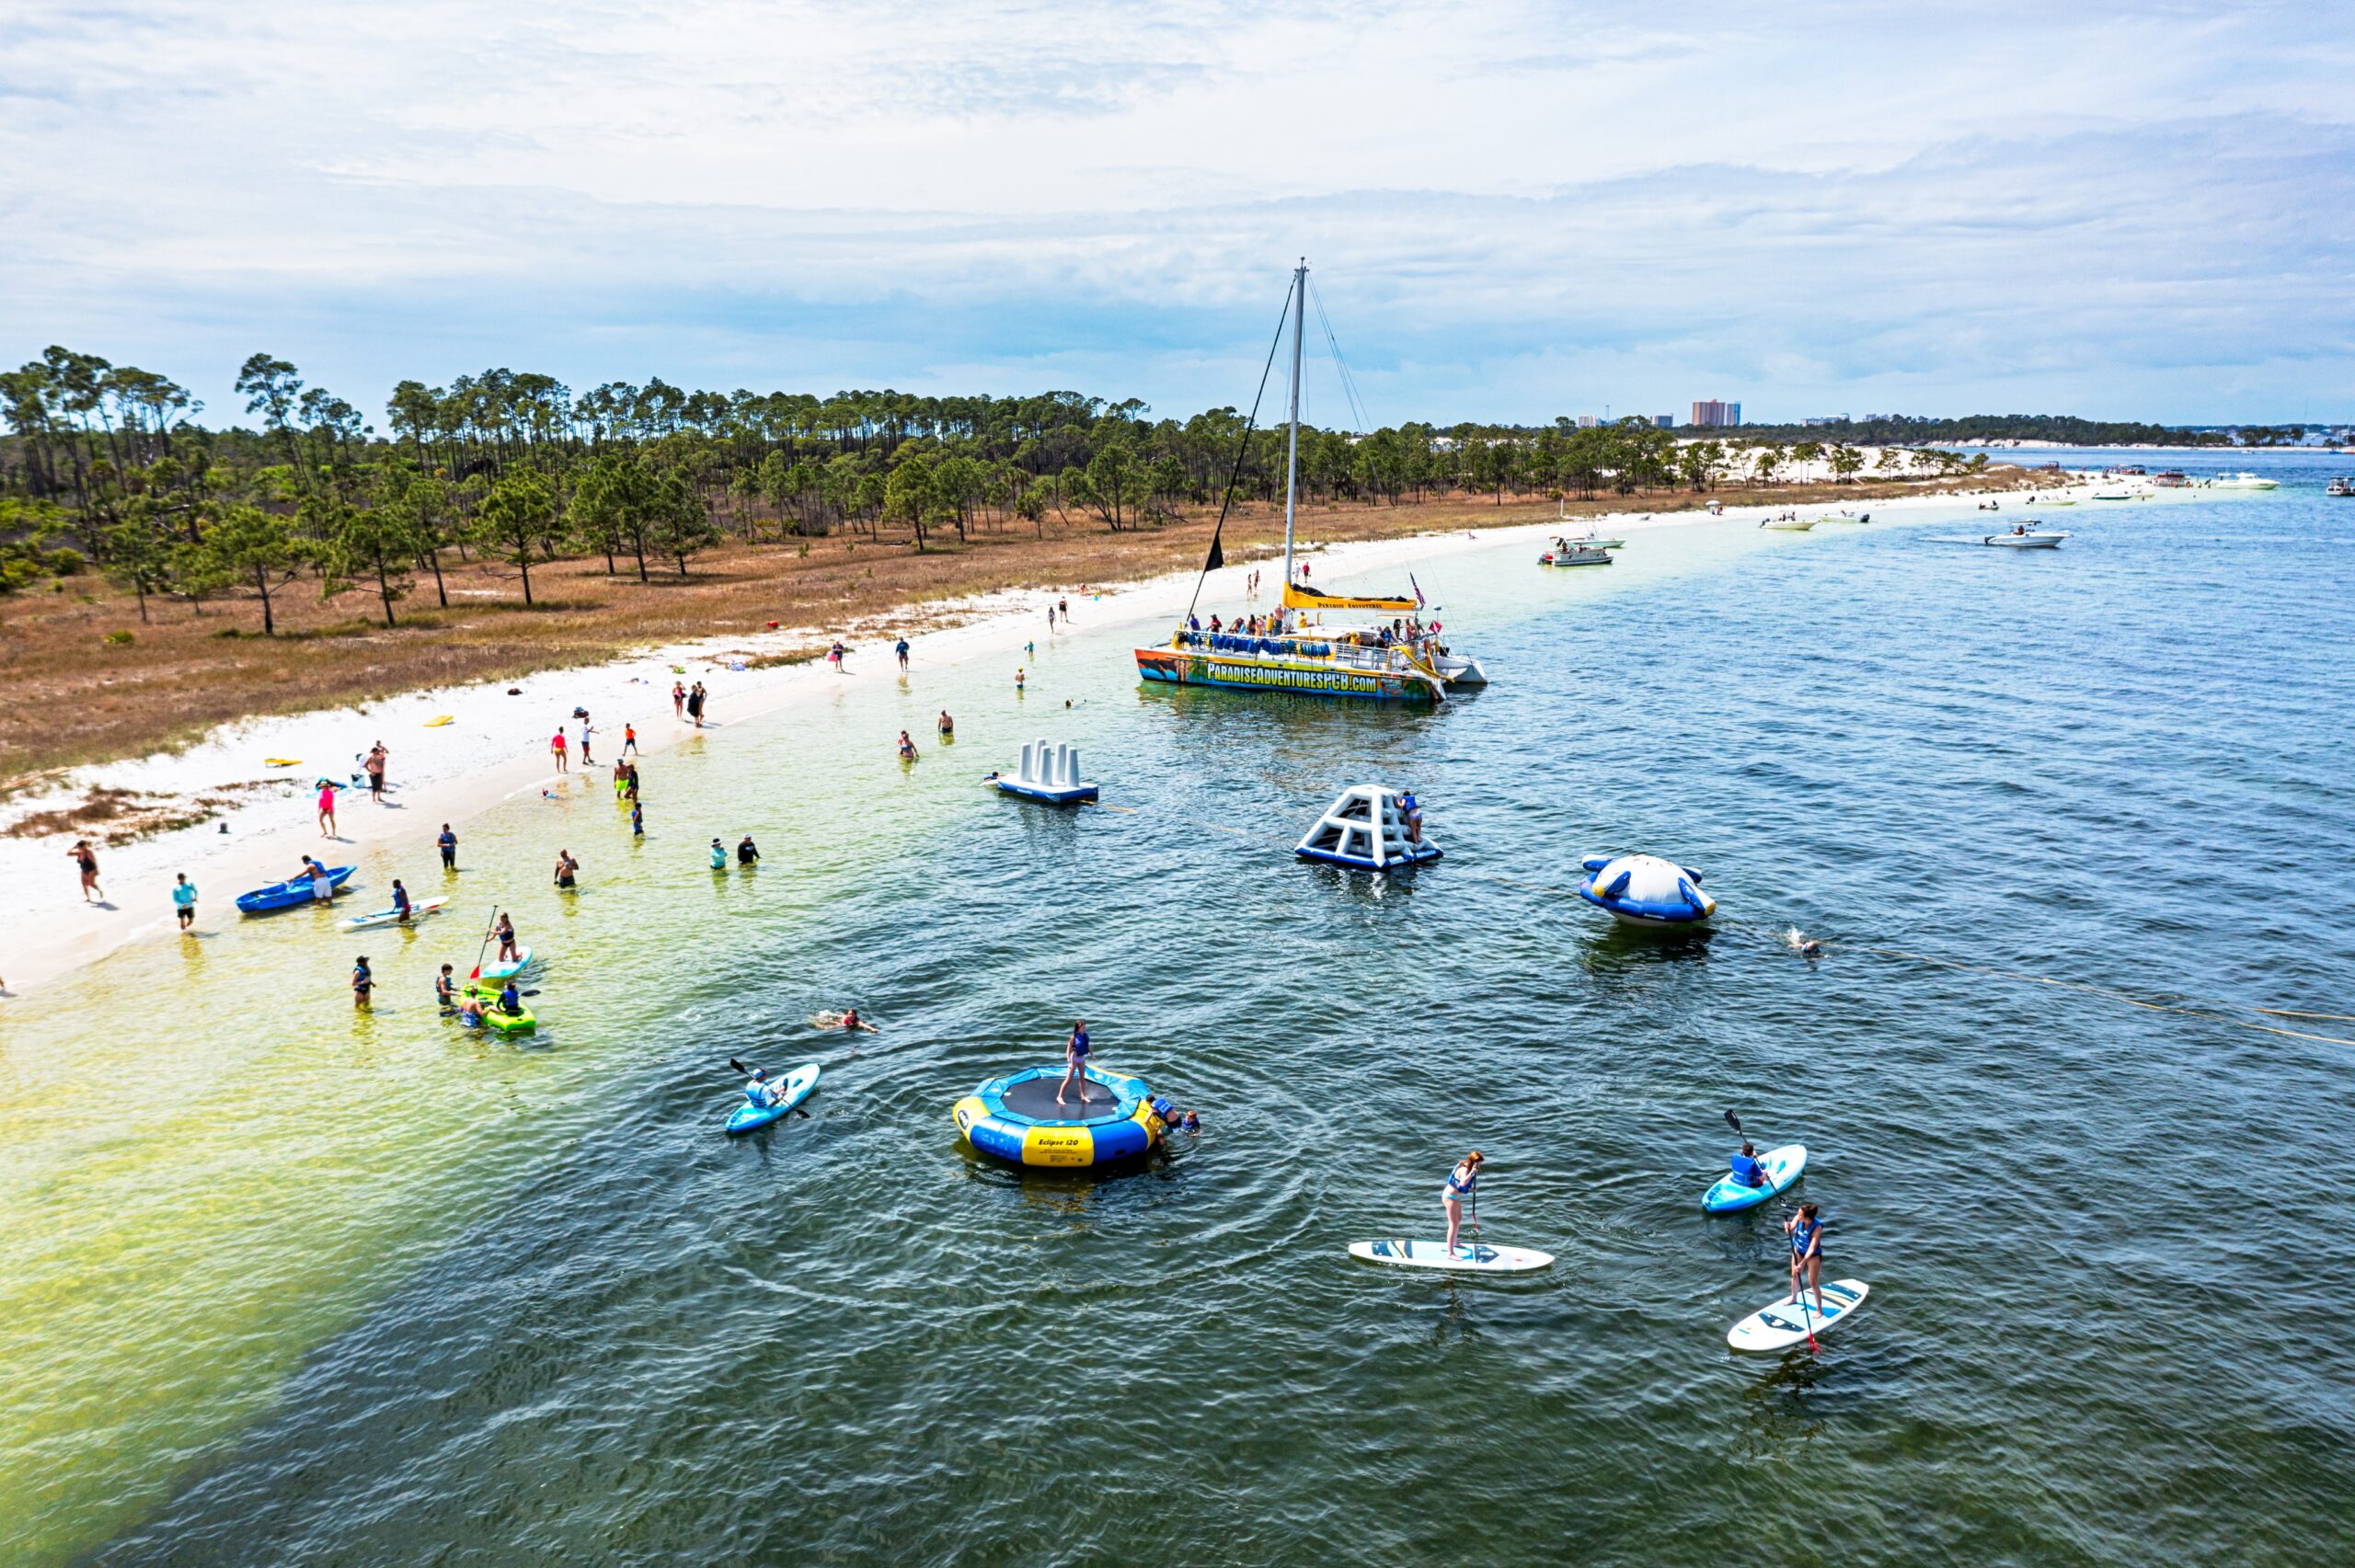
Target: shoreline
[(259, 822)]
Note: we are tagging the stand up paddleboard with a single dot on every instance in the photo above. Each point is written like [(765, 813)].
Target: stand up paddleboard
[(505, 968), (1780, 1325), (798, 1084), (416, 912), (1783, 1167), (1469, 1256)]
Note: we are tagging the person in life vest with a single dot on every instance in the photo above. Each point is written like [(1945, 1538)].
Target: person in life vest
[(760, 1093), (1462, 1190), (1806, 1232), (1746, 1168)]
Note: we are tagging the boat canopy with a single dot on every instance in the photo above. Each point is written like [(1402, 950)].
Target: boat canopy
[(1299, 598)]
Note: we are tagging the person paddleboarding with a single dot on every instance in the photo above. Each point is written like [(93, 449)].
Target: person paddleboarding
[(1462, 1191), (1806, 1232)]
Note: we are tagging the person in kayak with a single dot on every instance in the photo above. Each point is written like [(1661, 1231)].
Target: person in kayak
[(1463, 1188), (505, 930), (1075, 1053), (718, 855), (363, 980), (401, 902), (1747, 1170), (760, 1093), (511, 1001), (747, 852), (1806, 1232), (446, 988)]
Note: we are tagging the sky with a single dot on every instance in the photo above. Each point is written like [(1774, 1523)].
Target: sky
[(1512, 211)]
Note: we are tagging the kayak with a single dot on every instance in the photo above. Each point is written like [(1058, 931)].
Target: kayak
[(797, 1083), (286, 895), (416, 912), (505, 969), (1784, 1166), (1781, 1324), (520, 1022), (1471, 1257)]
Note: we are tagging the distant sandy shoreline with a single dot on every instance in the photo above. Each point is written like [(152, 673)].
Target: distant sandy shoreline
[(495, 745)]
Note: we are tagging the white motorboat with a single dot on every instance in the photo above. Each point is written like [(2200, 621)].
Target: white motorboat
[(2025, 537), (1846, 516), (2343, 486), (2113, 494), (1569, 553), (1789, 524), (2244, 480)]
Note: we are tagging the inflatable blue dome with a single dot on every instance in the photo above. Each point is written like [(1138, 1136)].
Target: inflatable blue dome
[(1644, 889)]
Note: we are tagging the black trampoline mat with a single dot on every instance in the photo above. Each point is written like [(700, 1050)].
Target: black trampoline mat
[(1035, 1098)]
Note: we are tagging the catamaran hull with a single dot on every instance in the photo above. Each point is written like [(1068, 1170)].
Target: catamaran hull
[(1460, 671), (1190, 668)]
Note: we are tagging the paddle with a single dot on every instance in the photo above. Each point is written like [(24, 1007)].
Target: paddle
[(1806, 1318), (748, 1072)]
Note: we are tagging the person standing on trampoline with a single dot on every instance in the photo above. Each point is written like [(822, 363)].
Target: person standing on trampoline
[(1075, 1051), (1462, 1187)]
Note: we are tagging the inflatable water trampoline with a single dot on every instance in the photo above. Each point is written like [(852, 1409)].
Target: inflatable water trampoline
[(1644, 889), (1017, 1119)]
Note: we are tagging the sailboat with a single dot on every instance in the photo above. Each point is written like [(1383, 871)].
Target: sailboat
[(1303, 655)]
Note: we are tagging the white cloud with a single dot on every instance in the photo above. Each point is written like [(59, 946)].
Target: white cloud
[(1515, 209)]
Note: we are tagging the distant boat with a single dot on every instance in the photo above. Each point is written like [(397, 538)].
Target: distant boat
[(2113, 494), (1567, 552), (2244, 480), (1789, 524), (2025, 537), (2343, 486)]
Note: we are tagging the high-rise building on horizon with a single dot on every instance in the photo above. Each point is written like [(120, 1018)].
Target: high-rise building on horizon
[(1588, 421), (1665, 421), (1713, 415)]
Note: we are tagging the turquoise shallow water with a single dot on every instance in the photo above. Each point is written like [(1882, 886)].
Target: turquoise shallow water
[(530, 1305)]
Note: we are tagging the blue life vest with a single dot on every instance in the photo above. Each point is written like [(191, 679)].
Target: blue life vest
[(1748, 1171), (1803, 1235)]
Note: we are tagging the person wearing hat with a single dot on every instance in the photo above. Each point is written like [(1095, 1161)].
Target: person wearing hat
[(762, 1093), (718, 855), (1462, 1190)]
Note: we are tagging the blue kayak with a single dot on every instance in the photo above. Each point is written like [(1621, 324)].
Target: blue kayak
[(292, 892), (1783, 1167), (796, 1085)]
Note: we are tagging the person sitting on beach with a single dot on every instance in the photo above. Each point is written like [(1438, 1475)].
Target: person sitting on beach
[(1746, 1168), (747, 852)]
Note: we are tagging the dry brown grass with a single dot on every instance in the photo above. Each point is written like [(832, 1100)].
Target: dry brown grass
[(71, 697)]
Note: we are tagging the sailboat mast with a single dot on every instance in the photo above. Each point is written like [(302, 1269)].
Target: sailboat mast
[(1292, 446)]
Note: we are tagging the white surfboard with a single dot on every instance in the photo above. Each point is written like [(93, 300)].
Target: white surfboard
[(1470, 1257), (1781, 1324)]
